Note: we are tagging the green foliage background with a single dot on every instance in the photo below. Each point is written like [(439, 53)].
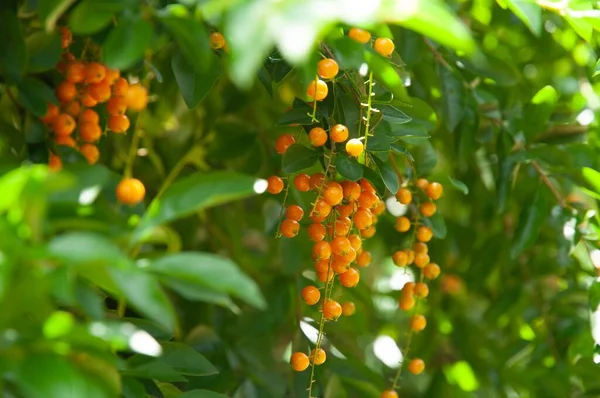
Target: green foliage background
[(496, 100)]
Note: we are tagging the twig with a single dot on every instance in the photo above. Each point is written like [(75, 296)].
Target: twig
[(437, 55), (549, 184)]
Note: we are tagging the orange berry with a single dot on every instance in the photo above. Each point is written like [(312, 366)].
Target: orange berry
[(66, 91), (400, 258), (217, 40), (406, 302), (424, 234), (73, 108), (321, 250), (275, 185), (318, 356), (66, 37), (294, 212), (350, 278), (422, 184), (94, 73), (118, 123), (99, 91), (316, 232), (339, 264), (434, 190), (54, 162), (317, 136), (379, 208), (368, 200), (427, 209), (418, 323), (325, 276), (63, 124), (355, 241), (350, 256), (332, 310), (137, 97), (89, 115), (421, 259), (111, 76), (404, 196), (283, 142), (90, 132), (311, 295), (75, 72), (320, 211), (333, 193), (121, 87), (65, 140), (316, 180), (348, 308), (322, 265), (354, 147), (421, 290), (359, 35), (116, 106), (340, 245), (389, 394), (327, 68), (411, 256), (90, 152), (339, 133), (363, 218), (299, 361), (351, 190), (368, 232), (346, 210), (420, 247), (408, 289), (88, 101), (317, 90), (302, 182), (431, 271), (51, 113), (365, 185), (384, 46), (416, 366), (342, 226), (402, 224), (289, 228), (363, 259), (130, 191)]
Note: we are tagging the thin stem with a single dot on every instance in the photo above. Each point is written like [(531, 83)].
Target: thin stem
[(135, 142), (122, 304), (437, 55), (285, 196), (313, 117), (549, 184), (368, 117)]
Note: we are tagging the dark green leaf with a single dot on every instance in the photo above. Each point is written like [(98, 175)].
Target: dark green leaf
[(393, 115), (44, 51), (425, 158), (35, 95), (126, 43), (534, 214), (348, 53), (388, 175), (201, 394), (193, 292), (194, 84), (348, 167), (374, 178), (296, 116), (186, 360), (192, 40), (594, 296), (453, 97), (380, 143), (50, 11), (437, 225), (298, 157), (91, 16), (387, 75), (144, 367)]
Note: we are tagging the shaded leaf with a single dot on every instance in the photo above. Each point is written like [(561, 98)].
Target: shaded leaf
[(388, 175), (186, 360), (192, 40), (387, 75), (44, 51), (35, 95), (529, 12), (532, 217), (201, 394), (348, 167), (298, 157), (51, 10), (459, 185), (90, 16), (454, 99), (393, 115), (126, 43), (194, 84)]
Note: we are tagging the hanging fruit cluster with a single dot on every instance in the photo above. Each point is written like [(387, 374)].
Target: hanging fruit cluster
[(344, 211)]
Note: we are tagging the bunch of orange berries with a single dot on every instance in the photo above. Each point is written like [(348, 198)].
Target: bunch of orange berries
[(76, 122)]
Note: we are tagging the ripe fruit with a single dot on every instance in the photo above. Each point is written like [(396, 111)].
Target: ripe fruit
[(89, 115), (137, 97), (434, 190), (333, 193), (368, 232), (340, 245), (411, 255), (400, 258), (90, 132), (416, 366), (311, 295), (451, 284), (431, 271), (348, 308), (317, 90), (90, 152), (130, 191), (316, 181), (418, 323), (339, 133), (354, 147), (402, 224), (94, 73), (63, 124), (66, 37), (368, 200), (65, 91), (421, 259), (321, 250), (363, 259), (317, 136), (406, 302), (217, 40), (404, 196), (421, 290), (350, 278), (318, 356), (121, 87), (294, 212), (351, 190), (316, 232), (384, 46), (389, 394), (332, 310), (111, 76), (116, 106), (88, 101), (342, 226), (427, 209), (363, 218), (320, 211), (65, 140), (301, 182), (424, 234), (325, 276), (54, 162), (75, 72), (73, 108), (299, 361), (355, 241), (422, 184), (339, 265), (408, 289), (359, 35), (118, 123), (99, 91), (289, 228), (51, 113), (420, 247), (327, 68), (283, 142), (275, 185)]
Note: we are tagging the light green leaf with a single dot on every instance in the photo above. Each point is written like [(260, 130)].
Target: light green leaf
[(461, 186), (387, 75), (194, 84), (51, 10), (393, 115), (539, 111), (193, 292), (126, 43), (298, 157), (91, 16), (186, 360), (84, 248), (596, 69), (529, 12)]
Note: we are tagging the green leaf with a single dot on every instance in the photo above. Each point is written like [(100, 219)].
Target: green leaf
[(380, 143), (13, 53), (193, 292), (437, 225), (296, 116), (592, 178), (35, 95), (349, 54), (387, 75), (533, 216), (144, 294), (91, 16), (348, 167), (210, 271), (538, 112), (410, 129), (594, 296), (529, 12), (374, 178), (145, 367), (596, 69), (50, 11), (454, 99), (393, 115), (186, 360), (44, 51), (194, 193), (84, 248), (192, 40), (425, 158), (194, 84), (298, 157), (388, 175), (201, 394), (126, 43), (459, 185)]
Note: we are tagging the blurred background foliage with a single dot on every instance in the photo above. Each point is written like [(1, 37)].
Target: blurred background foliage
[(508, 94)]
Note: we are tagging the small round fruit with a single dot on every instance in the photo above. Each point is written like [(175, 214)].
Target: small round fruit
[(418, 323), (111, 76), (348, 308), (339, 133), (130, 191), (54, 162), (404, 196), (408, 289), (118, 123), (422, 184), (66, 37), (416, 366), (90, 152), (359, 35), (411, 256), (99, 91), (427, 209), (421, 259), (75, 72), (332, 310), (317, 90), (217, 40), (316, 232), (294, 212), (421, 290), (340, 245), (333, 193), (137, 97), (318, 356), (351, 190), (289, 228), (311, 295), (116, 106), (400, 258), (325, 276), (402, 224), (342, 226), (317, 136), (363, 259), (94, 73), (406, 302), (389, 394), (350, 278), (320, 210), (63, 124), (321, 250), (283, 142), (88, 101), (420, 247), (73, 108), (90, 132), (424, 234), (355, 241), (66, 91), (434, 190), (346, 210), (121, 87), (354, 147), (384, 46), (431, 271), (368, 200), (51, 113), (363, 219), (302, 182), (327, 68), (299, 361), (368, 232), (316, 181), (65, 140), (275, 185)]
